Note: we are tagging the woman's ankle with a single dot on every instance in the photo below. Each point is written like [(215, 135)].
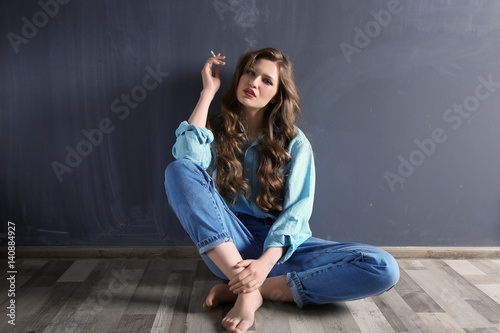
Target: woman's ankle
[(276, 289)]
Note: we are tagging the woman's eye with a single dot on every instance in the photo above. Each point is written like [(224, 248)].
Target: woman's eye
[(250, 72), (268, 82)]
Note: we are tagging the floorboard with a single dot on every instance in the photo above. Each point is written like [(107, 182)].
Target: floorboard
[(166, 295)]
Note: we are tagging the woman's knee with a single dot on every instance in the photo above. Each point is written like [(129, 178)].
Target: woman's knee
[(177, 167), (388, 270), (178, 170)]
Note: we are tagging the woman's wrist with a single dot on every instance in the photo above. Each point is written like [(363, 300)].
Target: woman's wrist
[(272, 255), (207, 93), (199, 115)]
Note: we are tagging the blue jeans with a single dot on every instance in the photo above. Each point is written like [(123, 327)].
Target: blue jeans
[(318, 272)]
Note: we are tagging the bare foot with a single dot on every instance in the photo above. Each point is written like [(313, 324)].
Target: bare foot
[(242, 315), (220, 293)]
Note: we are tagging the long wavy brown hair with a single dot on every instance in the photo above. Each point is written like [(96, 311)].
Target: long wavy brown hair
[(277, 132)]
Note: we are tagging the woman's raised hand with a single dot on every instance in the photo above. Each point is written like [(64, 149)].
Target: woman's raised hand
[(211, 81)]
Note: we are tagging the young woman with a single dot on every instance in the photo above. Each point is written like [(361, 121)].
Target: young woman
[(243, 185)]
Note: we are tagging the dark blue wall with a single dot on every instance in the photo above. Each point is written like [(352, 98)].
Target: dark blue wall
[(400, 100)]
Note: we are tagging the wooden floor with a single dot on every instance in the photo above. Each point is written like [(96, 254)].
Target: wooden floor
[(114, 295)]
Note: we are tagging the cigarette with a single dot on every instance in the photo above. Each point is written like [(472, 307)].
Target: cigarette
[(213, 53)]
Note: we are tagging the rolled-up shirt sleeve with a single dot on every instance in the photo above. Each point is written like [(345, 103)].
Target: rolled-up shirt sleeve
[(291, 228), (193, 142)]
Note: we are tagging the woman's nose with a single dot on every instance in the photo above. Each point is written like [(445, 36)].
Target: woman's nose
[(253, 82)]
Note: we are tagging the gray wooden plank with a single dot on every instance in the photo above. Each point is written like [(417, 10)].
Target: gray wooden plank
[(181, 308), (102, 287), (29, 264), (411, 264), (204, 273), (496, 262), (440, 323), (69, 316), (414, 295), (182, 265), (473, 295), (28, 304), (439, 285), (56, 297), (78, 271), (305, 321), (274, 317), (26, 268), (492, 290), (148, 294), (488, 312), (118, 290), (336, 317), (34, 293), (483, 279), (398, 313), (464, 267), (486, 266), (482, 330), (135, 323), (49, 273), (163, 318), (368, 316), (464, 289), (199, 319)]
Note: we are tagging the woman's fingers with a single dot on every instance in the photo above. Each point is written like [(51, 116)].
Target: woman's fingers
[(214, 60), (218, 59), (211, 78), (250, 289), (235, 284), (243, 274), (241, 283), (246, 288), (208, 67), (238, 279), (219, 62), (244, 263), (217, 72)]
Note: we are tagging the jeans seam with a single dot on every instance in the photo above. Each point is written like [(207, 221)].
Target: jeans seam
[(212, 199), (295, 285), (306, 276), (212, 241)]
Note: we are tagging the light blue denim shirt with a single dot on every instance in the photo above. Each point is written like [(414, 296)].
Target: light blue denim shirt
[(291, 226)]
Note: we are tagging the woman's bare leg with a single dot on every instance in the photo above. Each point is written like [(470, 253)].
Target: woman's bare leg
[(226, 256), (274, 289), (242, 315)]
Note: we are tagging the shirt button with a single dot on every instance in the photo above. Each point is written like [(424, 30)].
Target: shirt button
[(247, 169)]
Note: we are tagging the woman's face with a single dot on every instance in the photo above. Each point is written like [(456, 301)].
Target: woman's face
[(258, 86)]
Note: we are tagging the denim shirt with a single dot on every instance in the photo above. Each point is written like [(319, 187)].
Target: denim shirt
[(291, 226)]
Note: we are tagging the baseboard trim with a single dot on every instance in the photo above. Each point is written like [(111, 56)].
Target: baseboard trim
[(424, 252), (190, 252), (129, 252)]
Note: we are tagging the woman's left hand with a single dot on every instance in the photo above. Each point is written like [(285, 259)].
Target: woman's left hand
[(251, 278)]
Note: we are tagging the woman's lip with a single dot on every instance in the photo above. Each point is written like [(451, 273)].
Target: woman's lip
[(249, 92)]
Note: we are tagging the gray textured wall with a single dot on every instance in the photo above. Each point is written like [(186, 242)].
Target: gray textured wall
[(400, 100)]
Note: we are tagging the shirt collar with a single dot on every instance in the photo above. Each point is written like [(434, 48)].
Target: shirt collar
[(251, 144)]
